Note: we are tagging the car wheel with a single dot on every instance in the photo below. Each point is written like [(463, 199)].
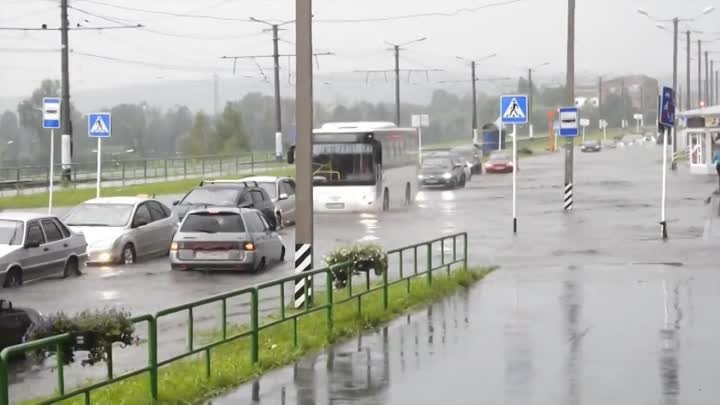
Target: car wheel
[(462, 181), (282, 254), (386, 200), (128, 254), (14, 278), (408, 194), (72, 268), (261, 266)]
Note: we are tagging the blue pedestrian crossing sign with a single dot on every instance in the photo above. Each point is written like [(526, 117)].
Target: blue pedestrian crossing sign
[(514, 109), (99, 125), (51, 112)]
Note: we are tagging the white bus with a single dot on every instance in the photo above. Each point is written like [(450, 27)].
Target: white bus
[(363, 166)]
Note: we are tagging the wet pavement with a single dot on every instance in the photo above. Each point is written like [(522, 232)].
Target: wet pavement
[(587, 308), (606, 252)]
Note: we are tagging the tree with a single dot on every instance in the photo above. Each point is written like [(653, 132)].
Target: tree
[(198, 141), (9, 132), (230, 130)]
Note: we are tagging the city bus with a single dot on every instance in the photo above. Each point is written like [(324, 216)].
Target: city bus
[(363, 166)]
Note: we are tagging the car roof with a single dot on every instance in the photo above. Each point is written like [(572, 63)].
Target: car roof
[(228, 210), (263, 179), (118, 200), (23, 216)]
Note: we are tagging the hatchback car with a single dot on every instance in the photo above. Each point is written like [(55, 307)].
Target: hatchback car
[(228, 193), (282, 193), (441, 171), (591, 146), (15, 322), (225, 238), (123, 229), (35, 246), (499, 162)]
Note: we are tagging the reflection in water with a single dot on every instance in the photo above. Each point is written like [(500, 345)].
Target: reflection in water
[(573, 306), (519, 370), (669, 348)]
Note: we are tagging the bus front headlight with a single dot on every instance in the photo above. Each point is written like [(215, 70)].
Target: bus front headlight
[(447, 176)]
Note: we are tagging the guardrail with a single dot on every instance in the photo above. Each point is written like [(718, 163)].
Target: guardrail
[(450, 256), (122, 171)]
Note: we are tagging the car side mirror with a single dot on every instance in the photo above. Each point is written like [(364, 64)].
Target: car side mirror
[(283, 196), (32, 244), (176, 202)]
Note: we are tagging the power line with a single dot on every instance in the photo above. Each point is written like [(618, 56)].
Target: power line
[(166, 13), (70, 29), (146, 63)]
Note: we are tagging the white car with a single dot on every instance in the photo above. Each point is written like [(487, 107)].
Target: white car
[(282, 192), (123, 229)]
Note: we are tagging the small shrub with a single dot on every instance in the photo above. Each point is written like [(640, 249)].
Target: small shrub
[(98, 330), (363, 257)]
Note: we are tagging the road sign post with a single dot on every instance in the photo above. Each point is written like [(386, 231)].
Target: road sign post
[(603, 126), (99, 126), (638, 119), (568, 130), (419, 121), (667, 120), (51, 121), (584, 123), (513, 110)]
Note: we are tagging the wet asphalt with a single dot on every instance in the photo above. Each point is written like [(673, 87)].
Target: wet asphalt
[(605, 262), (587, 308)]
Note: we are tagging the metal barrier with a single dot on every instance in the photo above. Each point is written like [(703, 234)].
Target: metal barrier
[(448, 257)]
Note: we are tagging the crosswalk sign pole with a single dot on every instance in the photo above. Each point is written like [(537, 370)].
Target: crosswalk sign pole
[(51, 173), (514, 177), (99, 167)]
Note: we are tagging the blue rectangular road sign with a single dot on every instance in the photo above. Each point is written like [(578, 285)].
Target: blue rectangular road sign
[(667, 105), (51, 112), (568, 121), (99, 125), (514, 109)]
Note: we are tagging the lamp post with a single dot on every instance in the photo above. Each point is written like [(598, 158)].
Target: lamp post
[(396, 48), (473, 63), (530, 96)]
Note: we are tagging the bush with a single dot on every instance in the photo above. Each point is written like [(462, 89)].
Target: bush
[(362, 257), (91, 331)]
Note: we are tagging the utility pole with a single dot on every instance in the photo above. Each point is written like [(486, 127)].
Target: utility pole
[(706, 82), (676, 21), (600, 94), (303, 163), (474, 107), (278, 109), (530, 96), (687, 72), (711, 77), (397, 84), (570, 100), (624, 106), (700, 93), (717, 88), (65, 115)]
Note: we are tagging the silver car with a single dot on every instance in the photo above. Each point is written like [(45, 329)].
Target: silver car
[(123, 229), (35, 246), (225, 238), (282, 193)]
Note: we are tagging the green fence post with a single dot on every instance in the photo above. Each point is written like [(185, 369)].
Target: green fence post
[(109, 362), (429, 262), (60, 355), (465, 250), (329, 299), (4, 383), (254, 355), (385, 285), (152, 358)]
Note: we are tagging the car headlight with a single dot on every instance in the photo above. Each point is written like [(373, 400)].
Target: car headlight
[(420, 177), (447, 176)]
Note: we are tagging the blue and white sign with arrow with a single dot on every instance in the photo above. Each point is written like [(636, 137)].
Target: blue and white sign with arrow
[(667, 105), (99, 125), (514, 109)]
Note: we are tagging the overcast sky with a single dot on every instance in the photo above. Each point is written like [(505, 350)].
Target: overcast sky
[(612, 38)]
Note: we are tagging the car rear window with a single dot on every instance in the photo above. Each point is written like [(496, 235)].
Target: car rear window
[(208, 222), (212, 196)]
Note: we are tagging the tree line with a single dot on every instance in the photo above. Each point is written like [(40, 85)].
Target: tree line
[(144, 131)]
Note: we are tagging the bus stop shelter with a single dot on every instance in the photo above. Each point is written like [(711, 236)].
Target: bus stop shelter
[(700, 137)]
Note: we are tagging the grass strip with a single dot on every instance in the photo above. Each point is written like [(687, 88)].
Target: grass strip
[(71, 197), (185, 382)]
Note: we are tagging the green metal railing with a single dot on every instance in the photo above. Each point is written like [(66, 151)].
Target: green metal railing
[(398, 261)]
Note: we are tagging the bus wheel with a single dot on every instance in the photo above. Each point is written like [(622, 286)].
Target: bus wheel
[(386, 200), (408, 194)]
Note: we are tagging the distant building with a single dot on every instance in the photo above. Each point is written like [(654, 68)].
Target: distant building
[(642, 90)]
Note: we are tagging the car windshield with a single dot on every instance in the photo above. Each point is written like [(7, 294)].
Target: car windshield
[(591, 143), (100, 215), (208, 222), (11, 232), (212, 196), (499, 157), (270, 187), (343, 164), (435, 163)]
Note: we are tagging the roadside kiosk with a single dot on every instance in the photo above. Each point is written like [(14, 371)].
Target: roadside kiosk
[(700, 137)]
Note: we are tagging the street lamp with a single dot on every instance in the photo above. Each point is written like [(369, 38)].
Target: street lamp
[(396, 48), (675, 21), (474, 97), (530, 96)]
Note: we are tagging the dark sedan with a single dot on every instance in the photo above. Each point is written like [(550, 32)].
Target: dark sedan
[(591, 146), (441, 171), (15, 323)]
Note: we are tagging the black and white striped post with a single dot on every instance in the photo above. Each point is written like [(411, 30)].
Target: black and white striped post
[(303, 162), (568, 200), (303, 263)]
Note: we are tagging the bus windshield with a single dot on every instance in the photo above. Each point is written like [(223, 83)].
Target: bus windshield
[(343, 164)]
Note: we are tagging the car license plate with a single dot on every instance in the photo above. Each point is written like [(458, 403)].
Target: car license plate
[(335, 206), (202, 255), (431, 181)]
